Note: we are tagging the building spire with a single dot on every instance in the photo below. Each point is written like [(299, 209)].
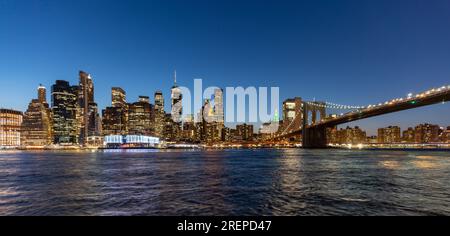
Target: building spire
[(175, 78)]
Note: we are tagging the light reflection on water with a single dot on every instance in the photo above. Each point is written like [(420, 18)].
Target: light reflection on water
[(225, 182)]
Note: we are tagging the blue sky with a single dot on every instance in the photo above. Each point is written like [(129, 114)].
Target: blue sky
[(347, 52)]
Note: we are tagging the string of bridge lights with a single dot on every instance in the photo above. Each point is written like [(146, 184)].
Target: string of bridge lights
[(330, 105)]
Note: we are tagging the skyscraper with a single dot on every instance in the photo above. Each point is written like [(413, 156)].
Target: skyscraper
[(160, 115), (42, 94), (64, 107), (177, 108), (88, 112), (218, 105)]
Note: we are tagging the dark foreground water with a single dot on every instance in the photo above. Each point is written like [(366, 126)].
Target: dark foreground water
[(229, 182)]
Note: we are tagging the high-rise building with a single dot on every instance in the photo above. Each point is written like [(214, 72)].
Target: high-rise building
[(389, 134), (118, 97), (218, 106), (42, 94), (446, 135), (160, 114), (139, 117), (10, 126), (65, 113), (115, 118), (350, 136), (427, 133), (409, 135), (176, 96), (37, 122), (88, 111), (245, 131)]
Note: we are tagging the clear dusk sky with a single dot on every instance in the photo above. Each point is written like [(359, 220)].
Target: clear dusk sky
[(347, 52)]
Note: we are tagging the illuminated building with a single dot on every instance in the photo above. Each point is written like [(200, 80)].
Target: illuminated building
[(139, 117), (446, 135), (42, 94), (65, 113), (88, 111), (115, 118), (37, 122), (189, 129), (177, 96), (409, 135), (10, 126), (159, 114), (130, 141), (118, 97), (389, 135), (245, 132), (350, 136), (218, 106), (427, 133)]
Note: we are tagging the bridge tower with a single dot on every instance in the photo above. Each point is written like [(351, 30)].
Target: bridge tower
[(314, 137)]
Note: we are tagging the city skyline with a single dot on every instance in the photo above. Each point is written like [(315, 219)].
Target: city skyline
[(354, 60)]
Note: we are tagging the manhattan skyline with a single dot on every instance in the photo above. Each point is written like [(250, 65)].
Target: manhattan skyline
[(335, 51)]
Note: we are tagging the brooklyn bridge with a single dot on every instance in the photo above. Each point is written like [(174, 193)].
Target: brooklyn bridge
[(312, 129)]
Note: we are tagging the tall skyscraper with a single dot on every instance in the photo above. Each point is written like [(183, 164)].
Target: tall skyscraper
[(88, 112), (159, 113), (218, 105), (177, 108), (65, 108)]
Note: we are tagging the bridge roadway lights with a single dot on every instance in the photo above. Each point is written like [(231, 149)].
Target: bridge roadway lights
[(315, 137)]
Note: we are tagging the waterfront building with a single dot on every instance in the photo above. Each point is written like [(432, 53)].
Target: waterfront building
[(139, 117), (226, 135), (65, 113), (409, 135), (10, 126), (446, 135), (159, 114), (350, 136), (427, 133), (389, 135), (37, 122), (245, 132)]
